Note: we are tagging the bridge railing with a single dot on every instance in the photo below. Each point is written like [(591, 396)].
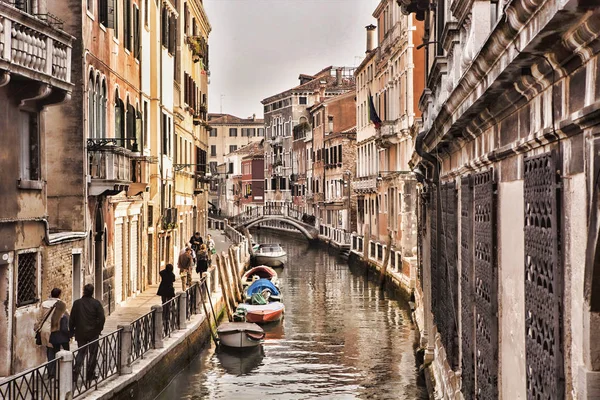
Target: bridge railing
[(284, 210)]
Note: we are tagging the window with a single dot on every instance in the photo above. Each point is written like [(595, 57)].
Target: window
[(213, 151), (166, 142), (103, 100), (127, 24), (115, 13), (164, 22), (30, 146), (27, 276), (232, 132), (213, 132), (251, 132), (119, 117), (150, 216), (146, 12), (136, 32), (230, 168), (213, 165), (232, 148), (98, 106), (186, 17), (145, 116), (90, 5), (261, 132), (91, 107), (302, 100)]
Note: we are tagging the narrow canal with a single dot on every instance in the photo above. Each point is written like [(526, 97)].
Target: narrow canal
[(341, 337)]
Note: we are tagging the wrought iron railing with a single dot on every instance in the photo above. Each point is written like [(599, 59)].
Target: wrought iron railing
[(171, 316), (142, 335), (95, 362), (192, 301), (41, 382)]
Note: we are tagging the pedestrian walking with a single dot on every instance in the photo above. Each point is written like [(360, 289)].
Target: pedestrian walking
[(196, 241), (60, 335), (184, 263), (166, 291), (211, 248), (203, 260), (86, 324), (51, 309)]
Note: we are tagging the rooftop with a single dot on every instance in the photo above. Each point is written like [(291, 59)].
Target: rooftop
[(228, 119)]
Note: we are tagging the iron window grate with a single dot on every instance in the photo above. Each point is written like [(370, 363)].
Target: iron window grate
[(27, 279)]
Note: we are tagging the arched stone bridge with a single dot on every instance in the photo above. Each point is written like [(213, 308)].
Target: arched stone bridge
[(284, 213)]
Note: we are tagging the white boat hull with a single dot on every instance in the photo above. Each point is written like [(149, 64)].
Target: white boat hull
[(240, 334), (270, 261)]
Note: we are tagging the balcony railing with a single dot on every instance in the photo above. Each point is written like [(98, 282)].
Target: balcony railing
[(368, 184), (33, 48), (109, 165)]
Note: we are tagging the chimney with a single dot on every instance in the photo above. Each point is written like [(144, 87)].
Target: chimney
[(338, 77), (253, 117), (371, 37)]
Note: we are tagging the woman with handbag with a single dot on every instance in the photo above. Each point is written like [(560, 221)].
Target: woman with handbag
[(44, 327)]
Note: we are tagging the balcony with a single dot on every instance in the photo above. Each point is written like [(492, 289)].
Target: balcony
[(365, 185), (110, 166), (387, 135), (32, 48)]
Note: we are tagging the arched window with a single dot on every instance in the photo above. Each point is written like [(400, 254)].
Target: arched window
[(130, 124), (119, 117), (103, 101), (91, 108), (98, 108)]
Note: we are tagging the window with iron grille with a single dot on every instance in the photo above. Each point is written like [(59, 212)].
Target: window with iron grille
[(27, 279)]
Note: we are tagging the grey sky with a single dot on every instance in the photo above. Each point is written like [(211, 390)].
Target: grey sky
[(259, 47)]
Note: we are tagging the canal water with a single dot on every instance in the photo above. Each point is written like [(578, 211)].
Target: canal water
[(341, 338)]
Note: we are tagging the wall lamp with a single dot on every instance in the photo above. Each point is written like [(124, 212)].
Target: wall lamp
[(419, 47)]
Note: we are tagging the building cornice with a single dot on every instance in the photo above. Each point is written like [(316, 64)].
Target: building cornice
[(488, 87)]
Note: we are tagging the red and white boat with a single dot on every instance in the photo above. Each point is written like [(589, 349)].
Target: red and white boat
[(260, 272), (262, 314)]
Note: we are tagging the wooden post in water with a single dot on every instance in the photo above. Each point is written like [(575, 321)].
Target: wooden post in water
[(236, 274), (230, 292), (224, 288), (386, 259), (249, 239)]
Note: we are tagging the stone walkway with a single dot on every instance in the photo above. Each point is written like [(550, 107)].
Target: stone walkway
[(142, 304)]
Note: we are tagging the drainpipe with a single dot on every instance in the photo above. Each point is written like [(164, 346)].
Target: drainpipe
[(427, 311)]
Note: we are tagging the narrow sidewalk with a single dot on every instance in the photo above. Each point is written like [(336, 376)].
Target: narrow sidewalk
[(142, 304)]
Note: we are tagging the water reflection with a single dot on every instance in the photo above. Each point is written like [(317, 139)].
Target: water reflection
[(239, 363), (341, 337)]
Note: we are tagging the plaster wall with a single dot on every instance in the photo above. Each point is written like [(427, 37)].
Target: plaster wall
[(511, 295)]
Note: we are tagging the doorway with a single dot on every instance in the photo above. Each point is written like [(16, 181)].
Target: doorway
[(76, 263)]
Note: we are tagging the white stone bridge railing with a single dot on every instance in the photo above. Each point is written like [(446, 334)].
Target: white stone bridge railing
[(286, 213)]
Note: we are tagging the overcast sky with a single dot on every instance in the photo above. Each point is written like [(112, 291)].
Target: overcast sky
[(259, 47)]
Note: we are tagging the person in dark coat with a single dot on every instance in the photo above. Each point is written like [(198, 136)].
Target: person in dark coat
[(196, 241), (202, 260), (184, 263), (86, 324), (166, 291)]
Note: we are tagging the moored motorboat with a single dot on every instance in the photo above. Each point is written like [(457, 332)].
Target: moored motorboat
[(264, 288), (263, 313), (240, 334), (271, 255), (260, 272)]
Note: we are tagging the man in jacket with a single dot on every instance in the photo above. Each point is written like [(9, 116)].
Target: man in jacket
[(184, 263), (86, 324), (196, 242)]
